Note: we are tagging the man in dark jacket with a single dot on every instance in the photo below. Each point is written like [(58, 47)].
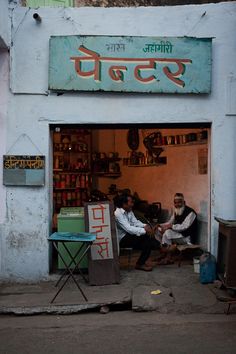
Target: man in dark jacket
[(182, 226)]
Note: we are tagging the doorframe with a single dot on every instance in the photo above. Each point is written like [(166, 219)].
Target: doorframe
[(176, 125), (50, 192)]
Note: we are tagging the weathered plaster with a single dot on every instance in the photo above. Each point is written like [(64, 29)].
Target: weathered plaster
[(4, 100), (4, 25), (31, 110)]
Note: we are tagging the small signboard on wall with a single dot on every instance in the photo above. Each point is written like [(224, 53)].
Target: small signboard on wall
[(23, 170), (103, 263)]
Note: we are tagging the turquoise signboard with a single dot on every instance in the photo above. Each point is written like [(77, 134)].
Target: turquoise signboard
[(130, 64)]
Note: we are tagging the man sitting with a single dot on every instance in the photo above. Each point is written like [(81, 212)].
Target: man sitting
[(182, 227), (132, 232)]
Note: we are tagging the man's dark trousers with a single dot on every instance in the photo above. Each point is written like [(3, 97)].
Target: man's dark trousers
[(142, 243)]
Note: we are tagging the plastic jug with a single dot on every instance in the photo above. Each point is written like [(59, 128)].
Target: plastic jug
[(207, 268)]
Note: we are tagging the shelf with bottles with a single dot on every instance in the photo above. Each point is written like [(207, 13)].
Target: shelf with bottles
[(79, 148), (72, 140), (60, 164), (72, 181), (106, 165), (69, 198), (139, 159), (190, 143), (194, 138)]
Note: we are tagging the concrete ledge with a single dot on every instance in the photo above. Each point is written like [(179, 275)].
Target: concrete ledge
[(56, 309)]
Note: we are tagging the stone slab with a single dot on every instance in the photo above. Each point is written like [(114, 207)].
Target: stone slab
[(143, 300)]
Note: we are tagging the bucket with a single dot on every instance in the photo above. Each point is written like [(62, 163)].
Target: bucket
[(207, 268), (196, 264)]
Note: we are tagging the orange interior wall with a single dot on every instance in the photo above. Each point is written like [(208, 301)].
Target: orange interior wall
[(160, 183)]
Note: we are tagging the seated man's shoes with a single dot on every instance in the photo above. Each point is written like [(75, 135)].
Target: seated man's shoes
[(166, 261), (144, 267), (168, 249)]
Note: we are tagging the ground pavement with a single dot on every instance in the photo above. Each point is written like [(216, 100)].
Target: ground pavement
[(180, 293), (125, 332)]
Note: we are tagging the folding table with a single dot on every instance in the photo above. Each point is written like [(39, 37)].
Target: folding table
[(86, 240)]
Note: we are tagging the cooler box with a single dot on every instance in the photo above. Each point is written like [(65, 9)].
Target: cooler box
[(71, 220)]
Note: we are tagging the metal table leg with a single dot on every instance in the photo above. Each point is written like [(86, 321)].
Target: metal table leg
[(71, 271), (73, 260)]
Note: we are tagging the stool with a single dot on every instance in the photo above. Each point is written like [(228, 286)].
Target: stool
[(129, 251), (183, 248)]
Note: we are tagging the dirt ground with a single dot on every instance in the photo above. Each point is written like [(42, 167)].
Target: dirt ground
[(119, 332)]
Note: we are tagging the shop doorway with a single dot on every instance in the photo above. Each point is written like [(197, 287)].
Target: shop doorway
[(152, 161)]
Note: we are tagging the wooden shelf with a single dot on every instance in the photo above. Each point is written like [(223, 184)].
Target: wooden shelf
[(66, 151), (70, 188), (148, 165), (67, 131), (107, 159), (191, 143), (71, 172), (107, 174)]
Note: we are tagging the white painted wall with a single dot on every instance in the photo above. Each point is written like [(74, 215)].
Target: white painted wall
[(26, 229), (4, 24), (4, 96)]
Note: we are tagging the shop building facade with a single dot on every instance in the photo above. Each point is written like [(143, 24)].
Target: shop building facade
[(29, 109)]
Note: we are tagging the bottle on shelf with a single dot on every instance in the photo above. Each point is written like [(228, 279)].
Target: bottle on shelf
[(78, 181), (56, 163), (57, 181), (64, 198), (73, 181), (86, 181), (82, 181), (63, 182), (59, 199), (68, 181)]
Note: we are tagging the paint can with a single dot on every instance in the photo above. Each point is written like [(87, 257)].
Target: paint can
[(196, 265)]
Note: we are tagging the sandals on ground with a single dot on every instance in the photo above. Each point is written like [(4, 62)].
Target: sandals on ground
[(165, 261)]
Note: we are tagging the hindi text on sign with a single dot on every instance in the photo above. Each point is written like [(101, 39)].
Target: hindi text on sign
[(117, 72)]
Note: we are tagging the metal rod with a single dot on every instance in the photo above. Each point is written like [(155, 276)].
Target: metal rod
[(72, 260)]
